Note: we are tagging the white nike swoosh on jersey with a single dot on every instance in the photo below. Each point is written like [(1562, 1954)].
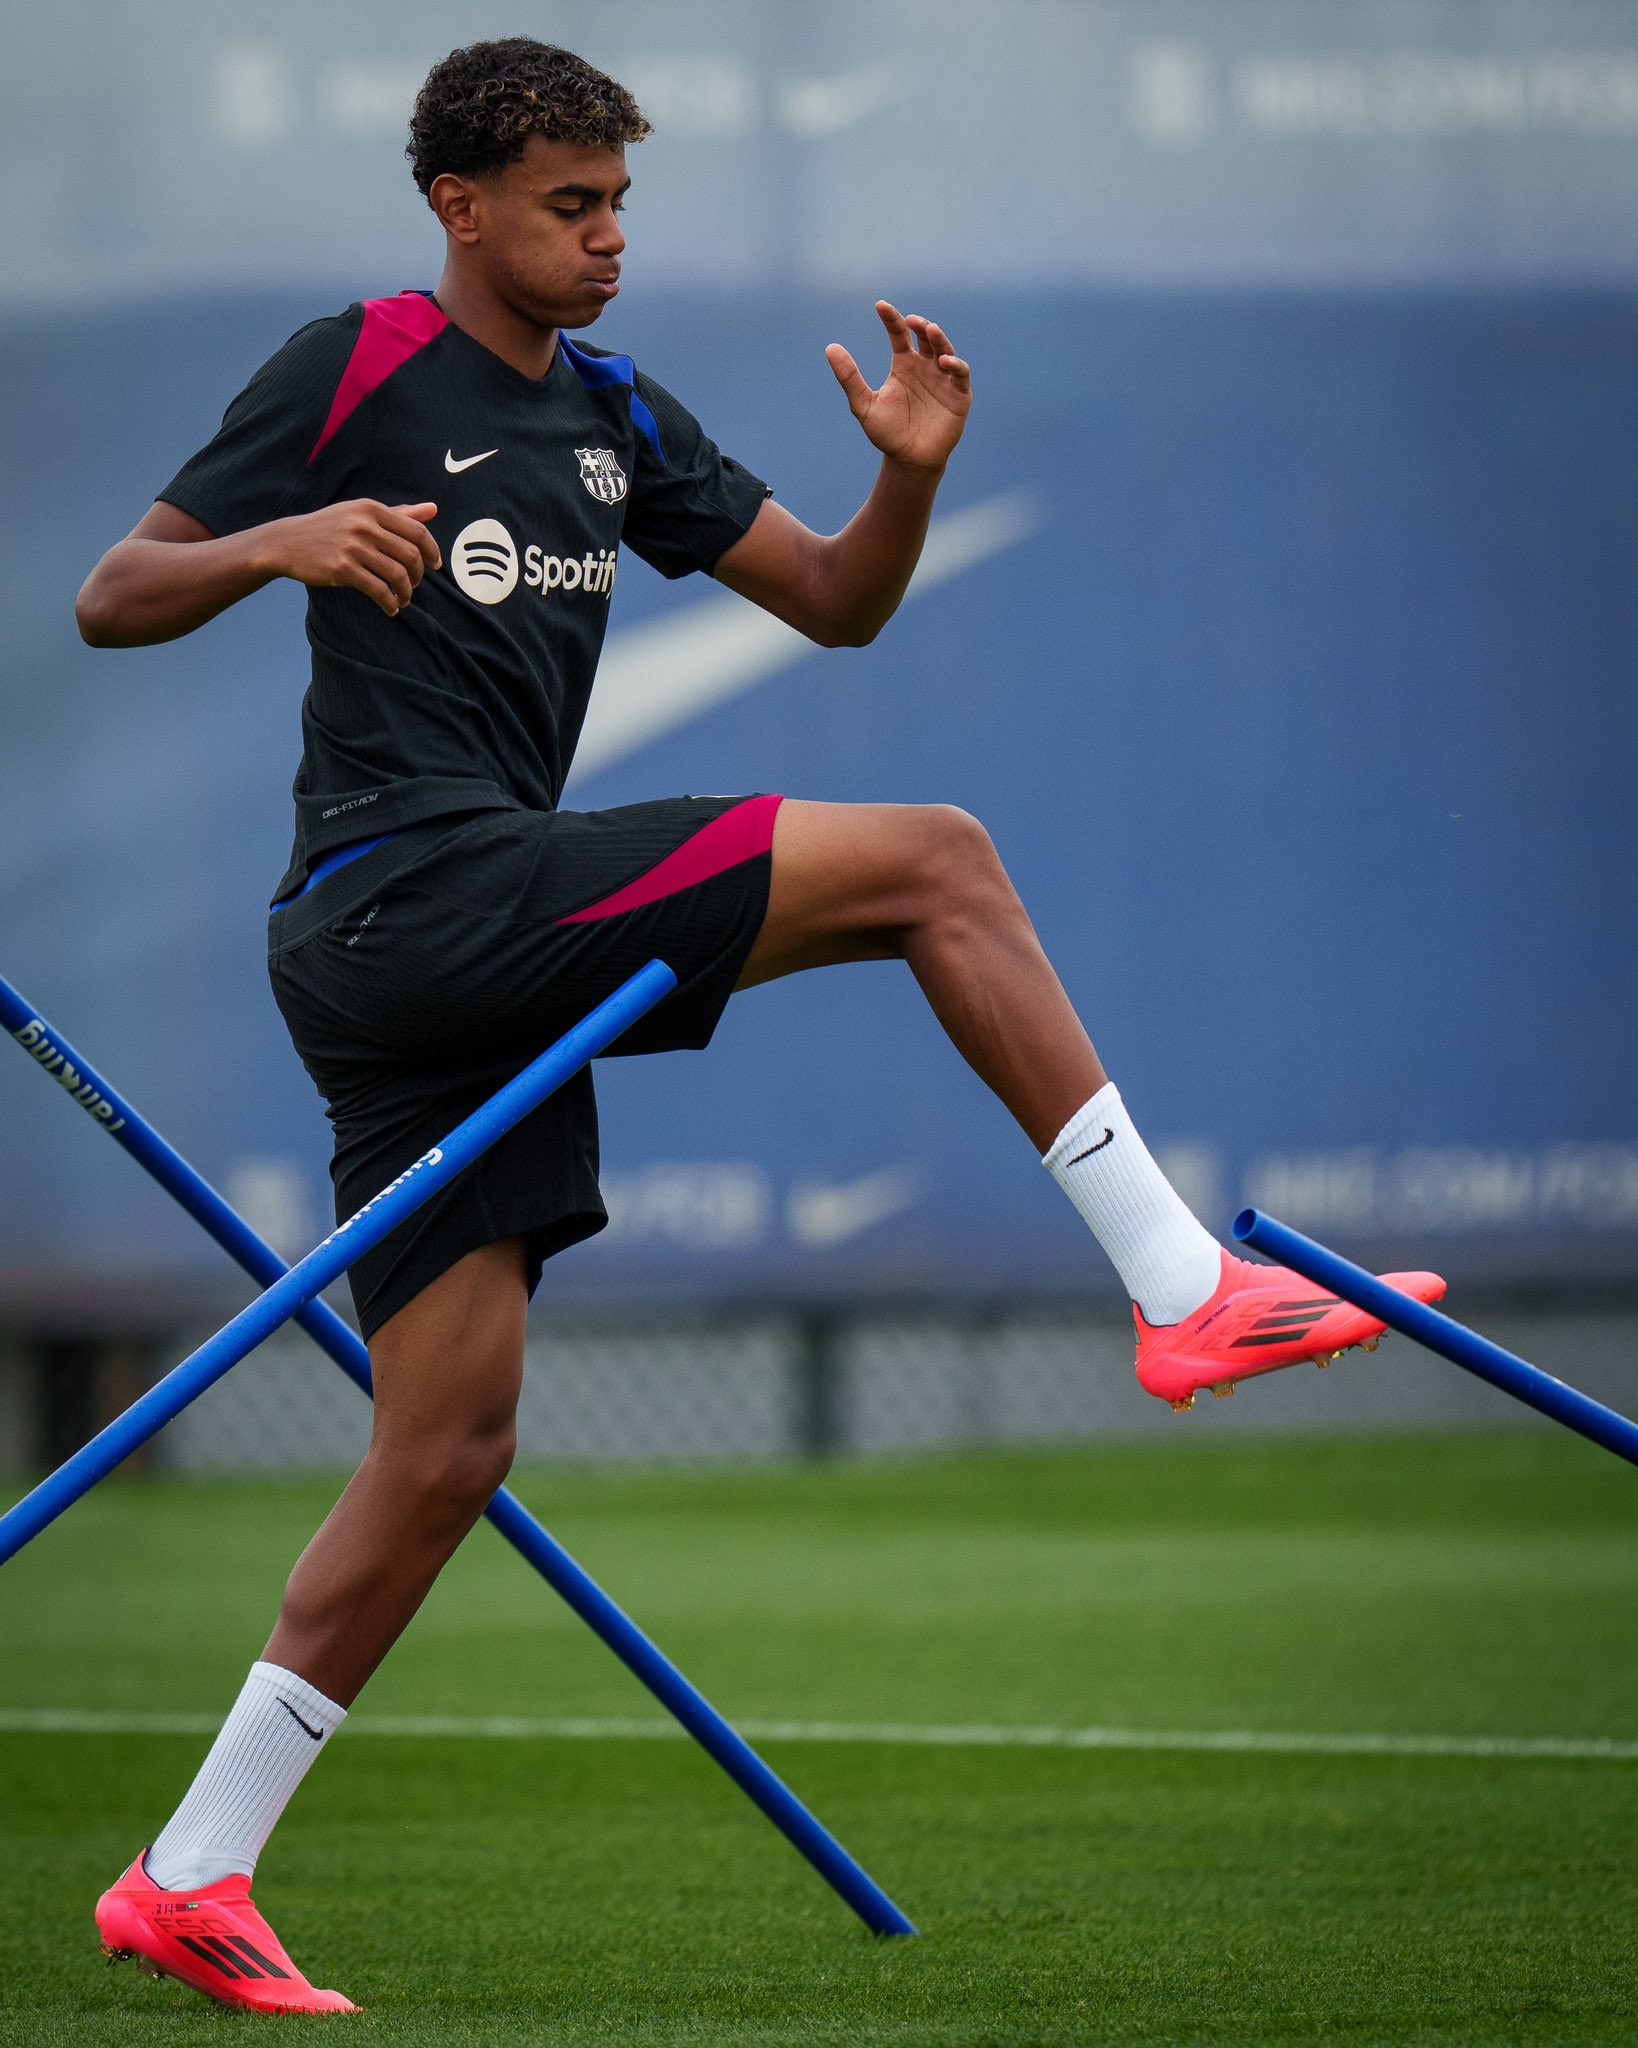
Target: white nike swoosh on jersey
[(466, 461)]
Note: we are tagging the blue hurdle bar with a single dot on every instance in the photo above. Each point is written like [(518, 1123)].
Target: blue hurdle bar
[(1441, 1333), (507, 1514)]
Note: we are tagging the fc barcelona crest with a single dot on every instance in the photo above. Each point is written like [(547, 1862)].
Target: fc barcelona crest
[(602, 475)]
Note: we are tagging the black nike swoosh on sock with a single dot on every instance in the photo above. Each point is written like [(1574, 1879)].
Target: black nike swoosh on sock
[(306, 1727), (1108, 1135)]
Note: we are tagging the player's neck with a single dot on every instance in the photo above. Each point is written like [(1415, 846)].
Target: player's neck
[(478, 311)]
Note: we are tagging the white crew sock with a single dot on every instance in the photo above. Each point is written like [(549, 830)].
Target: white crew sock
[(278, 1724), (1169, 1262)]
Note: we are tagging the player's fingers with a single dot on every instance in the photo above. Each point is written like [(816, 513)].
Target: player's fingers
[(898, 328), (387, 569), (380, 553), (377, 592), (938, 342), (410, 522), (403, 518), (960, 373), (404, 551), (846, 372), (921, 329)]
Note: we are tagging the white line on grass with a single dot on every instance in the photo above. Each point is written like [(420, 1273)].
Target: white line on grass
[(1295, 1742)]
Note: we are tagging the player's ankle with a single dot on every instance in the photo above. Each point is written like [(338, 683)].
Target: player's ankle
[(1170, 1263), (266, 1746), (188, 1872)]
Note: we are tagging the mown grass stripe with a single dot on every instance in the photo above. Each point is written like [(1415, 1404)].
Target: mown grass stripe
[(955, 1735)]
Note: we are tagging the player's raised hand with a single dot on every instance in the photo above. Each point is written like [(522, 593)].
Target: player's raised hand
[(917, 415), (382, 550)]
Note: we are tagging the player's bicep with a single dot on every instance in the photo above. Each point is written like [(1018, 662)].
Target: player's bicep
[(773, 563)]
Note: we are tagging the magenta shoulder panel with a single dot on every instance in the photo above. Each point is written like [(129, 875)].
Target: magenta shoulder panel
[(734, 836), (393, 330)]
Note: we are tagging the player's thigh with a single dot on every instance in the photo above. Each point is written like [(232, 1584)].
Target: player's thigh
[(850, 880), (449, 1363)]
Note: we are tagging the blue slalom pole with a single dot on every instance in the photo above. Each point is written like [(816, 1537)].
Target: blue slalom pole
[(574, 1585), (1441, 1333), (330, 1259), (187, 1187)]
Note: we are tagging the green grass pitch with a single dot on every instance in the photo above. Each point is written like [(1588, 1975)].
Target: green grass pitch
[(479, 1891)]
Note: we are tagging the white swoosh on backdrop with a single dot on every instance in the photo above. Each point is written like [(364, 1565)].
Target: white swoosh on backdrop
[(659, 675), (820, 1216), (825, 106)]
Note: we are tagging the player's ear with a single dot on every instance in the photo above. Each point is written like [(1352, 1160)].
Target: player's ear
[(451, 199)]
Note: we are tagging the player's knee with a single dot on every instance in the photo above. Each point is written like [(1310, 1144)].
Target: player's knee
[(446, 1470), (957, 857), (459, 1473)]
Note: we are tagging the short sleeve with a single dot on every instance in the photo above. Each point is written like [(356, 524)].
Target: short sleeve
[(259, 458), (689, 501)]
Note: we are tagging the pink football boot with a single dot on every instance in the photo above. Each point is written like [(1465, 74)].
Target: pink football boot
[(213, 1940), (1260, 1318)]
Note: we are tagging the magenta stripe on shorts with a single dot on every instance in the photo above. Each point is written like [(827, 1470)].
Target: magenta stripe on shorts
[(734, 836)]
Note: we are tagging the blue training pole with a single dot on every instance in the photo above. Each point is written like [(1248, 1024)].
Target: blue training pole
[(331, 1258), (582, 1593), (1441, 1333)]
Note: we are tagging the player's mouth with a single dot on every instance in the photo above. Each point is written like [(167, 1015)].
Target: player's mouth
[(604, 287)]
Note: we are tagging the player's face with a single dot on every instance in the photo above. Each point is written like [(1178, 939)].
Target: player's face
[(549, 230)]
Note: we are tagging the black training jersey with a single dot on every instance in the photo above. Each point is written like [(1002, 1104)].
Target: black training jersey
[(472, 698)]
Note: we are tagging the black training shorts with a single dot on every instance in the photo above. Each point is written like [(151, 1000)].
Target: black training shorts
[(420, 977)]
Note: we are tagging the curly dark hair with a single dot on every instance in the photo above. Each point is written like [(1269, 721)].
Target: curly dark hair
[(481, 104)]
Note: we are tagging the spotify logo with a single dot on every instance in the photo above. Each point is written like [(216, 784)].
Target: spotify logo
[(484, 562)]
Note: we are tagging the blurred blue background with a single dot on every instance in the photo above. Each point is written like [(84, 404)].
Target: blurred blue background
[(1281, 624)]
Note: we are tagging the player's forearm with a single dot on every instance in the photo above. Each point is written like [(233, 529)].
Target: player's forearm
[(860, 574), (144, 591)]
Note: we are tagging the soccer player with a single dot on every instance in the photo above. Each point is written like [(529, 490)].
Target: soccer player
[(452, 478)]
